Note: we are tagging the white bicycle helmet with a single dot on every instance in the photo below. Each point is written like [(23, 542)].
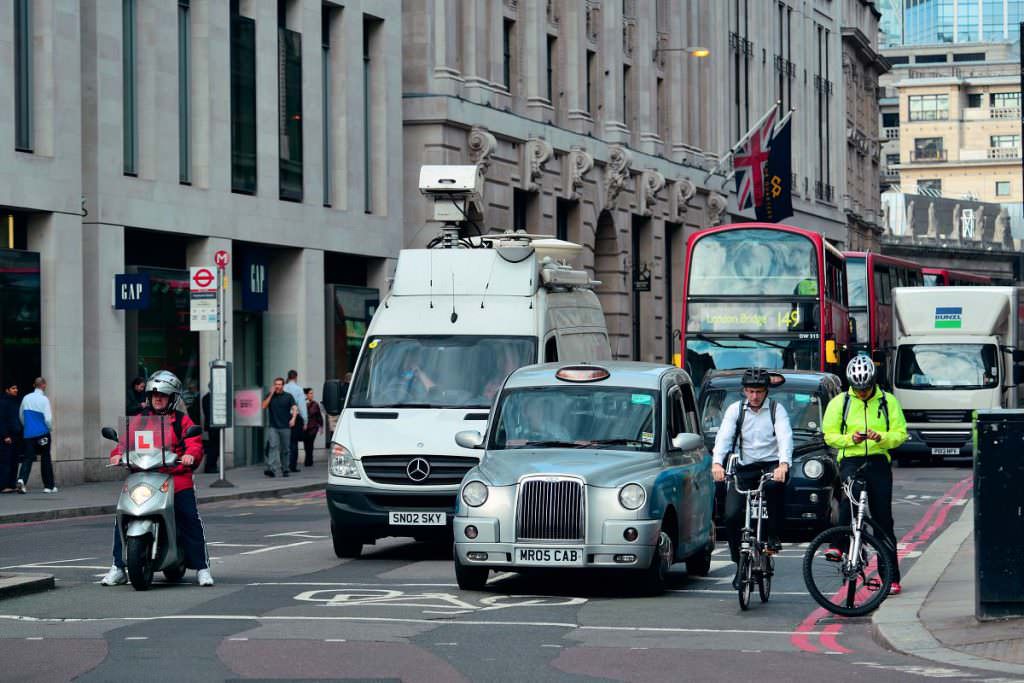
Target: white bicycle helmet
[(164, 382), (860, 372)]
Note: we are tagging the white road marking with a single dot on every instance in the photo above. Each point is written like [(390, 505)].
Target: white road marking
[(137, 638), (34, 638), (275, 547), (924, 671), (335, 640), (296, 534), (243, 514), (238, 639), (446, 644), (402, 620), (55, 564), (551, 645), (222, 544)]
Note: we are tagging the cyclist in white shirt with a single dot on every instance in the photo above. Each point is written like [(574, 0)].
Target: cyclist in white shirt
[(758, 430)]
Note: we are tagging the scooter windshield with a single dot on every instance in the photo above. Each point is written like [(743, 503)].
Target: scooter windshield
[(147, 441)]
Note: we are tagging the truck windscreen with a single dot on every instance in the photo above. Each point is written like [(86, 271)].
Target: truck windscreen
[(947, 366), (442, 371)]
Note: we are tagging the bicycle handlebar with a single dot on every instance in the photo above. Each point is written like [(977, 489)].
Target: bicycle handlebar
[(767, 476)]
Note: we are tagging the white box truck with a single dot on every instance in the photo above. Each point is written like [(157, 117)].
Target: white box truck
[(458, 319), (957, 350)]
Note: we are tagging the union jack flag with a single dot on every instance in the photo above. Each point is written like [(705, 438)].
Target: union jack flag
[(748, 163)]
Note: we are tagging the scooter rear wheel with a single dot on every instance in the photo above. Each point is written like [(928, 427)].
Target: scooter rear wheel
[(140, 562)]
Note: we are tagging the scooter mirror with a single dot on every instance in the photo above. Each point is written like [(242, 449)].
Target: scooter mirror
[(109, 433), (194, 430)]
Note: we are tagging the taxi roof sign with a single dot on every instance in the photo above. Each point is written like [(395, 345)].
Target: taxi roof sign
[(582, 373)]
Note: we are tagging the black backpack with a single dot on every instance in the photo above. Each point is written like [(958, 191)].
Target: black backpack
[(738, 436), (883, 409)]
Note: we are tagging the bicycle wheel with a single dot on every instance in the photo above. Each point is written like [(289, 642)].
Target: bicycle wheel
[(746, 570), (851, 586), (764, 581)]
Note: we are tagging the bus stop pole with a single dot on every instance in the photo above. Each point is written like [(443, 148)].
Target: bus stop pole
[(222, 482)]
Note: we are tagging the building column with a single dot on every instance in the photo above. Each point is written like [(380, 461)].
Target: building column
[(56, 237), (649, 139), (571, 34), (447, 79), (610, 76), (105, 381), (295, 323), (532, 26), (268, 151)]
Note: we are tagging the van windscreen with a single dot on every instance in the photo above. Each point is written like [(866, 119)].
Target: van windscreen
[(443, 371)]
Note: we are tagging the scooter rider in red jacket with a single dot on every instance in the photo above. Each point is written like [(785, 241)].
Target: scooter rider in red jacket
[(162, 392)]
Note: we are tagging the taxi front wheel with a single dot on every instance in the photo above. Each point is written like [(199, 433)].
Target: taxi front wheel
[(470, 578)]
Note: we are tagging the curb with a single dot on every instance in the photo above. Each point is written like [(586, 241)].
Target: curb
[(14, 585), (207, 496), (896, 624)]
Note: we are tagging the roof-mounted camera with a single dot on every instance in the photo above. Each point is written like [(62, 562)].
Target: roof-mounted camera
[(456, 191)]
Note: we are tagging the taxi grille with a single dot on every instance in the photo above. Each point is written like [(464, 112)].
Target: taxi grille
[(550, 510)]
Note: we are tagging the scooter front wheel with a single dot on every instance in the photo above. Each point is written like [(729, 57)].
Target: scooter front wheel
[(140, 562), (174, 574)]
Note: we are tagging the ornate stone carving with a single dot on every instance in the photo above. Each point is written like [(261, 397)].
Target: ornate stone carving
[(933, 226), (651, 183), (620, 160), (537, 152), (580, 162), (909, 231), (886, 229), (955, 232), (481, 145), (683, 192), (716, 208), (628, 37), (593, 20), (1002, 229), (979, 224)]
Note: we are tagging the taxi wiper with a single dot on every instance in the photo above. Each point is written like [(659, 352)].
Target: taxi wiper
[(615, 442), (759, 340)]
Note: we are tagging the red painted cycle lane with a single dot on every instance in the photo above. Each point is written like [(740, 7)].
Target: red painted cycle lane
[(826, 640)]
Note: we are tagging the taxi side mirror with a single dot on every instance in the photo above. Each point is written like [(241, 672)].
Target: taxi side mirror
[(469, 438), (686, 441)]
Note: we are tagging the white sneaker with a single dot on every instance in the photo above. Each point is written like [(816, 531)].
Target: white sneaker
[(21, 486), (53, 490), (115, 577), (205, 577)]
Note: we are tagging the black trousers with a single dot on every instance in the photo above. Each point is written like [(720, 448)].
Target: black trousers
[(297, 435), (307, 442), (747, 476), (211, 456), (190, 532), (10, 458), (39, 445), (877, 476)]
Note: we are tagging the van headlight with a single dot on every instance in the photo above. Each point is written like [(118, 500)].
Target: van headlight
[(474, 494), (632, 496), (140, 494), (343, 464), (813, 469)]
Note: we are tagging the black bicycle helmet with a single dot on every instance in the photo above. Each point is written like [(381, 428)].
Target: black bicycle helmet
[(756, 377)]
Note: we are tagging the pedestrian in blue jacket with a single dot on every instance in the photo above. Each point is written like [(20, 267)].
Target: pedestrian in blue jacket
[(37, 421)]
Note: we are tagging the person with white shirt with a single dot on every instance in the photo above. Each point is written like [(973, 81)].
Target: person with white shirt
[(758, 430)]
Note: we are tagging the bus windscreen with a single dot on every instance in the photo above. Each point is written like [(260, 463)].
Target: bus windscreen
[(753, 262)]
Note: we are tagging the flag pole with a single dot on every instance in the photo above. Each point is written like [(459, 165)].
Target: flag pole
[(743, 140)]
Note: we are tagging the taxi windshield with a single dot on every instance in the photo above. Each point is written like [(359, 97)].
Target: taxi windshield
[(577, 416)]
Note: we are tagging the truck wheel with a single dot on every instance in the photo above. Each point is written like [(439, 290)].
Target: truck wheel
[(344, 545), (470, 578), (174, 574), (140, 562)]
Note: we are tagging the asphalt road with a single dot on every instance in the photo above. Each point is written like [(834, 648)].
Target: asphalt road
[(285, 608)]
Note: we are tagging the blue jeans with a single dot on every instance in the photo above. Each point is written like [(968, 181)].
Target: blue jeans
[(190, 532)]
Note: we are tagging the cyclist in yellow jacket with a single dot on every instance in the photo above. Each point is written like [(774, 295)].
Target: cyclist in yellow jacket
[(864, 424)]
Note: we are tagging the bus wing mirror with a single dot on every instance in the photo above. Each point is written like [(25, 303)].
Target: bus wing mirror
[(1018, 375), (1018, 356), (831, 352)]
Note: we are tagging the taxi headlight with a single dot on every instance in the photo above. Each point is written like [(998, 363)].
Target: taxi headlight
[(474, 494), (343, 464), (813, 469), (140, 494), (632, 496)]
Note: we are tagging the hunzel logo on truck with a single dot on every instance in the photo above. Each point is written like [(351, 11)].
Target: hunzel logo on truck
[(948, 317)]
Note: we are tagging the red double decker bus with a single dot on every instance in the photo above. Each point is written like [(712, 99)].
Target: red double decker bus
[(870, 279), (763, 294), (943, 277)]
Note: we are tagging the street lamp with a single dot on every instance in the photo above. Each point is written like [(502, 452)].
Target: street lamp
[(697, 51)]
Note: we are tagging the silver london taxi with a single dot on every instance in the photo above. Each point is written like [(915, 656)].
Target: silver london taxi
[(588, 466)]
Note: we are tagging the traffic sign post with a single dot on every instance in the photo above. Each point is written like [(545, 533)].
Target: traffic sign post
[(220, 370)]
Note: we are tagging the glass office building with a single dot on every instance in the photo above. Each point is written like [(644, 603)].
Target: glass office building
[(927, 22)]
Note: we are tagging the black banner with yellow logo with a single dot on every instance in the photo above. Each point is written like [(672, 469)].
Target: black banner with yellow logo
[(778, 178)]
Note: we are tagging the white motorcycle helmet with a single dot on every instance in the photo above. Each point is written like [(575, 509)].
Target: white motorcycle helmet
[(165, 383)]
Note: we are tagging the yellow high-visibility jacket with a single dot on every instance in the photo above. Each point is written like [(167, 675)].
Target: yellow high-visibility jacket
[(861, 416)]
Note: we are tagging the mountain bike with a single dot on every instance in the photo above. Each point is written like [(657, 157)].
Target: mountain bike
[(756, 565), (846, 569)]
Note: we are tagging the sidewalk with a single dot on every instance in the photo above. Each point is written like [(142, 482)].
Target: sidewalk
[(99, 498), (934, 617)]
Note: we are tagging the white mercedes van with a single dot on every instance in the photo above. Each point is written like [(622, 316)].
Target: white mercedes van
[(457, 321)]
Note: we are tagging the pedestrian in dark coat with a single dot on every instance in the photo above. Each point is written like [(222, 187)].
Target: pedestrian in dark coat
[(10, 438), (313, 425)]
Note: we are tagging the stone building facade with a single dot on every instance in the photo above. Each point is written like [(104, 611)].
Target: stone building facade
[(862, 66), (149, 135), (596, 122)]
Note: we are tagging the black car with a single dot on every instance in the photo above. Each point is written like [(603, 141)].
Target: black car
[(812, 493)]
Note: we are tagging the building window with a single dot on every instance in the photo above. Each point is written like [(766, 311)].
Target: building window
[(591, 79), (367, 123), (1002, 188), (325, 86), (23, 75), (969, 57), (1000, 100), (128, 123), (551, 70), (184, 93), (932, 186), (973, 100), (243, 105), (891, 120), (1005, 141), (289, 84), (507, 38), (930, 59), (928, 149), (564, 216), (892, 159), (929, 107)]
